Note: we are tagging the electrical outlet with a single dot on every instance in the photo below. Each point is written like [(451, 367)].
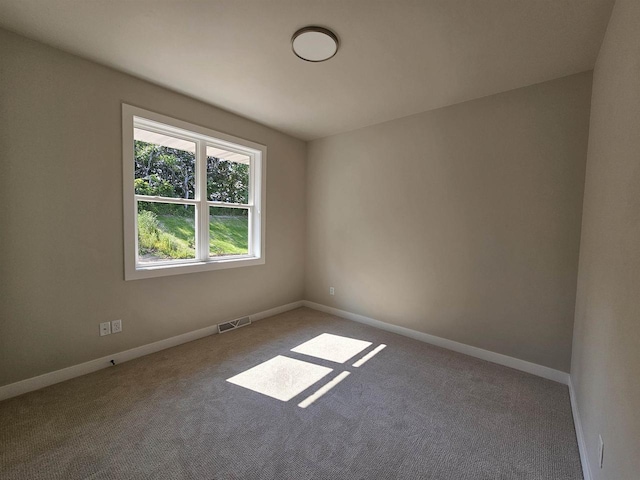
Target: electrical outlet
[(105, 329), (116, 326), (331, 291), (600, 450)]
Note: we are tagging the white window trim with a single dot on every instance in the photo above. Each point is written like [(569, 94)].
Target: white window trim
[(202, 136)]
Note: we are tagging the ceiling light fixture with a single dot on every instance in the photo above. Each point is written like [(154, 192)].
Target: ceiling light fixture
[(314, 44)]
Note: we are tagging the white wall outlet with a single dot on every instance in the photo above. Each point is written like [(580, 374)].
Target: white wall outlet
[(600, 450), (105, 329), (116, 326), (331, 291)]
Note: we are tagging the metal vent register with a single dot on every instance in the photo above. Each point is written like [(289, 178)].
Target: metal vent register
[(233, 324)]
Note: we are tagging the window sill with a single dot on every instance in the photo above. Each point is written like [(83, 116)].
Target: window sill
[(164, 270)]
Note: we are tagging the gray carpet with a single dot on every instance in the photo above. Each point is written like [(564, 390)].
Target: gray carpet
[(411, 411)]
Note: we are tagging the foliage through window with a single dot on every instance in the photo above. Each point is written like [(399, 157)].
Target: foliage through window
[(196, 196)]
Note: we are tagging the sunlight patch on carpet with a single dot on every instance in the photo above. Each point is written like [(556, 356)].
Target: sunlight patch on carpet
[(281, 377), (322, 390), (370, 355), (334, 348)]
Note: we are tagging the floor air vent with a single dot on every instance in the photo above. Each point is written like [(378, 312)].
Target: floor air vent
[(233, 324)]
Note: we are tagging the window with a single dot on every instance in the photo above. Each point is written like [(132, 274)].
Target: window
[(193, 197)]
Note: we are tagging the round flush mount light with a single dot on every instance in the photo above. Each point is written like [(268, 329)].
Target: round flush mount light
[(314, 44)]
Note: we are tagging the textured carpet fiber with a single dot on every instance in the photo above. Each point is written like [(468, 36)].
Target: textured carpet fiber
[(410, 411)]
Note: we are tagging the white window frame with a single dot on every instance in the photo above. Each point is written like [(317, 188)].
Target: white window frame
[(201, 136)]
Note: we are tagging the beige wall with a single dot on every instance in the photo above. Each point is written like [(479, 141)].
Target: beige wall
[(462, 222), (605, 370), (61, 251)]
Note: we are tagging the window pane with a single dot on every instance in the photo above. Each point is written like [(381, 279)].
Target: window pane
[(166, 231), (227, 176), (164, 165), (228, 231)]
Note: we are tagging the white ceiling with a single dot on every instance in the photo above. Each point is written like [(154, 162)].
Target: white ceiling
[(397, 57)]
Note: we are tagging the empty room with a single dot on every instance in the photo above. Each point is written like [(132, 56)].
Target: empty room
[(320, 239)]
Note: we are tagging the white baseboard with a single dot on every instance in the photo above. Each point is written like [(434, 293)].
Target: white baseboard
[(523, 365), (41, 381), (275, 311), (582, 446)]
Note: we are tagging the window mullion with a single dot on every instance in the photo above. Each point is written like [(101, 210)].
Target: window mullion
[(228, 205), (203, 209), (178, 201)]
